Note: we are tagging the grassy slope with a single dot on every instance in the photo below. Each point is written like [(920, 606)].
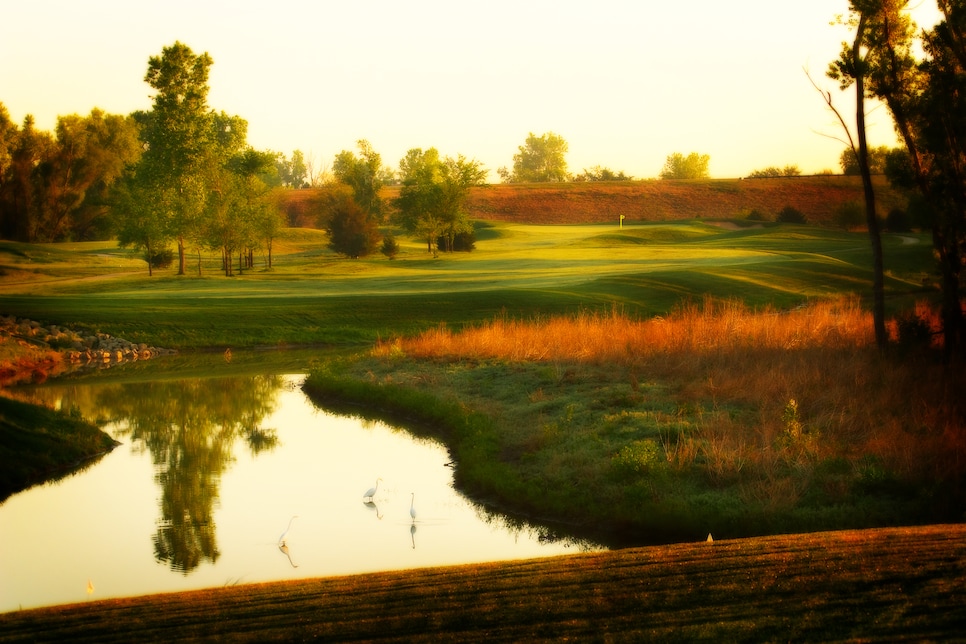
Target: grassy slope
[(313, 297), (647, 201), (890, 584), (37, 444)]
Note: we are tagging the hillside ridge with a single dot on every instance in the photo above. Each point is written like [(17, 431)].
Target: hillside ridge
[(817, 197)]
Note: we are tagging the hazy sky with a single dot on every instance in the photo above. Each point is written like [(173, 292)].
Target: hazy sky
[(625, 83)]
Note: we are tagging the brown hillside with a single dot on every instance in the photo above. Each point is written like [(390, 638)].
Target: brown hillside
[(654, 200)]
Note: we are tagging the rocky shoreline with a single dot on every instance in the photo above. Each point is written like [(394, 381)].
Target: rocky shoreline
[(32, 351)]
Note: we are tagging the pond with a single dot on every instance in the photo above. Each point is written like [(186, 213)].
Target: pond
[(239, 479)]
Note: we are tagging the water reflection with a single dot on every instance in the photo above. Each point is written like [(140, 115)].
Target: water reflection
[(246, 454), (189, 427)]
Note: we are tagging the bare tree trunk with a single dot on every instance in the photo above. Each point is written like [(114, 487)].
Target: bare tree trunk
[(878, 282), (181, 262)]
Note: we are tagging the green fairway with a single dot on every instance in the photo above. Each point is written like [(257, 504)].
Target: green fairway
[(312, 296)]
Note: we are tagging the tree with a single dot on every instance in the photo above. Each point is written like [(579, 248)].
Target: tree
[(693, 166), (772, 172), (55, 187), (927, 100), (365, 174), (351, 231), (540, 159), (597, 173), (27, 153), (293, 172), (432, 198), (417, 209), (791, 215), (139, 216), (852, 68), (177, 133), (877, 157)]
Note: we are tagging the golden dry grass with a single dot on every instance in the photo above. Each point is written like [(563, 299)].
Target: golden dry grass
[(780, 388)]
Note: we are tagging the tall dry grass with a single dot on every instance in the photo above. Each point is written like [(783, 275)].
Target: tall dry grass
[(782, 391)]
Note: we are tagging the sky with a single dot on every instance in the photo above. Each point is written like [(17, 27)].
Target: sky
[(625, 82)]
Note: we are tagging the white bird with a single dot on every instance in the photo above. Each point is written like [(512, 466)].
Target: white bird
[(281, 537), (371, 492), (412, 509), (90, 587)]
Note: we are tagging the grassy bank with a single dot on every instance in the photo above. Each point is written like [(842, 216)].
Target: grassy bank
[(715, 418), (882, 585), (38, 444)]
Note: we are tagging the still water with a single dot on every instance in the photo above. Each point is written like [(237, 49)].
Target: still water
[(212, 471)]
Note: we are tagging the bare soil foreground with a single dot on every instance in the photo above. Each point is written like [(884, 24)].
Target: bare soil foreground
[(867, 585)]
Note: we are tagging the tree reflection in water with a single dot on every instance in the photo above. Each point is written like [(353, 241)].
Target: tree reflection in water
[(189, 428)]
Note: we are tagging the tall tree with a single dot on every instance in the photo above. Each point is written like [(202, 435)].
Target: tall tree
[(177, 133), (851, 69), (224, 223), (540, 159), (54, 187), (365, 174), (27, 168), (693, 166), (293, 172), (927, 101), (431, 202)]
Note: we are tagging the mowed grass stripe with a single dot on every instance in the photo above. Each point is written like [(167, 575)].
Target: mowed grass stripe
[(866, 584)]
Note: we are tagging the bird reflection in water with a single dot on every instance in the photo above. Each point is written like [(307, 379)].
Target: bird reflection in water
[(412, 513), (372, 506), (283, 546)]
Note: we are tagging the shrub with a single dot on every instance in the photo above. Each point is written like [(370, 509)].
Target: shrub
[(757, 215), (465, 241), (790, 215), (390, 247), (850, 215), (351, 232), (898, 221), (637, 457), (159, 258)]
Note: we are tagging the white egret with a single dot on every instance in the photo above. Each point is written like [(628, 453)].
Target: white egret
[(281, 537), (412, 508), (371, 492)]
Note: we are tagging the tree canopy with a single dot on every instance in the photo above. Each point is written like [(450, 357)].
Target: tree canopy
[(540, 159), (693, 166), (197, 180), (432, 197), (55, 187), (926, 97), (365, 174)]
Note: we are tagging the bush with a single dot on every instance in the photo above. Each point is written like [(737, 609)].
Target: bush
[(351, 232), (461, 241), (390, 247), (159, 258), (850, 215), (790, 215), (756, 215), (897, 221)]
